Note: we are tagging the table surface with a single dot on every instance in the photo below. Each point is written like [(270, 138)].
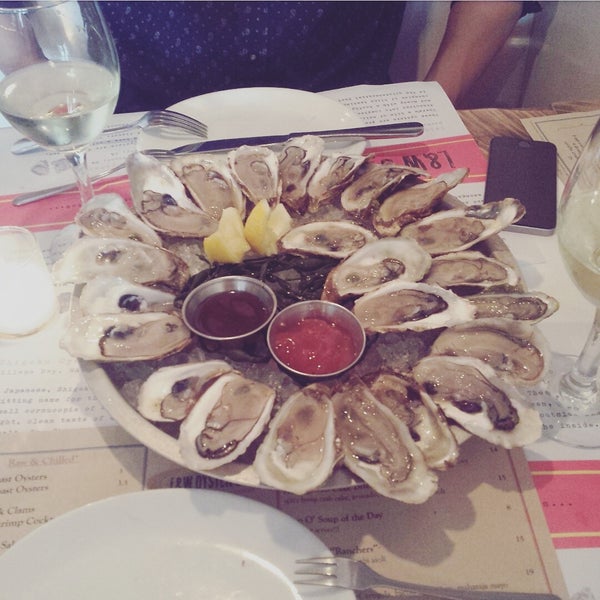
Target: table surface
[(541, 263)]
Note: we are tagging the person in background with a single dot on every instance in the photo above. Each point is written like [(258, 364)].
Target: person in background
[(173, 50)]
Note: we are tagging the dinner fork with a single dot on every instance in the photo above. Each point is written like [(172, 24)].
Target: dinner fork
[(153, 118), (354, 575), (28, 197)]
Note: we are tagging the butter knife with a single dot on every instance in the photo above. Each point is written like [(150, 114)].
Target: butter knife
[(391, 130)]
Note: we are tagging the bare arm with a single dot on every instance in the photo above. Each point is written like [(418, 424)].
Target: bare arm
[(474, 33)]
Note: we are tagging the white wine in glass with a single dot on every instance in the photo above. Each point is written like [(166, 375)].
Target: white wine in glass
[(59, 78), (576, 392)]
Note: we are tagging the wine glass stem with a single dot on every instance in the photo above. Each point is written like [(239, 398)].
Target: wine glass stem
[(577, 388), (78, 160)]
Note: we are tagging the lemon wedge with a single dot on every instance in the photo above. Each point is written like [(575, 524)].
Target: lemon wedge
[(265, 225), (227, 244)]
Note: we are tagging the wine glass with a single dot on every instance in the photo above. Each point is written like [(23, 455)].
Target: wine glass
[(576, 412), (59, 79)]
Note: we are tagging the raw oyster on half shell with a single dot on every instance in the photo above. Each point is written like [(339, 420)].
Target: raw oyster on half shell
[(141, 263), (102, 295), (514, 349), (298, 453), (210, 183), (520, 306), (470, 393), (126, 337), (331, 177), (107, 215), (298, 161), (378, 448), (461, 228), (406, 305), (414, 202), (426, 422), (470, 268), (374, 264), (256, 169), (372, 182), (337, 239), (160, 199), (170, 392), (225, 420)]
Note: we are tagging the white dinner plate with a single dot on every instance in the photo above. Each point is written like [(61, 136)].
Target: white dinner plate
[(254, 111), (162, 544)]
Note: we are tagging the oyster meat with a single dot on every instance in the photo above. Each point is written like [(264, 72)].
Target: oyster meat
[(107, 215), (461, 228), (470, 393), (331, 177), (426, 422), (414, 202), (371, 183), (170, 392), (256, 169), (224, 421), (337, 239), (406, 305), (298, 161), (521, 306), (514, 349), (161, 201), (298, 453), (376, 263), (210, 183), (470, 268), (126, 337), (103, 295), (378, 447), (140, 263)]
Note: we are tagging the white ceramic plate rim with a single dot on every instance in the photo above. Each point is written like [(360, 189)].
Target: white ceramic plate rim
[(167, 524), (254, 111)]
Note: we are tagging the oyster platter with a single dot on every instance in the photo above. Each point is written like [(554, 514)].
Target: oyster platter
[(450, 327)]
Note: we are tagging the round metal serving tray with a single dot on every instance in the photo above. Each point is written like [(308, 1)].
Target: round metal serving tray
[(115, 384)]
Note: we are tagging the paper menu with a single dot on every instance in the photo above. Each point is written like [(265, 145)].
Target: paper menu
[(568, 132), (484, 529)]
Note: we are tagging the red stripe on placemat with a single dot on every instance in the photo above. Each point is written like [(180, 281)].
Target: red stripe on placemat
[(437, 156), (56, 211), (570, 495)]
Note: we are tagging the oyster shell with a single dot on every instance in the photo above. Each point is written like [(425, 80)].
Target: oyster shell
[(337, 239), (141, 263), (170, 392), (515, 349), (161, 201), (415, 202), (406, 305), (426, 422), (331, 177), (256, 169), (225, 420), (461, 228), (107, 215), (376, 263), (470, 268), (298, 161), (470, 393), (210, 183), (372, 182), (521, 306), (126, 337), (102, 295), (298, 453), (378, 447)]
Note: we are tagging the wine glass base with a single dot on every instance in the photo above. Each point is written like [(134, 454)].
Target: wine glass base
[(63, 239), (560, 423)]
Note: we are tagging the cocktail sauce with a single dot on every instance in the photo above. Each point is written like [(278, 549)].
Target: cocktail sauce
[(229, 314), (313, 345)]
